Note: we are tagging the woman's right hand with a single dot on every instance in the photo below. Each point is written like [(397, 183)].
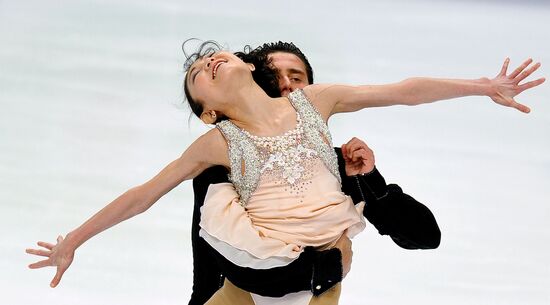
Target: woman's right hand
[(59, 255)]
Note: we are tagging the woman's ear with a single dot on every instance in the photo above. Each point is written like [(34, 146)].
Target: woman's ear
[(209, 117), (251, 67)]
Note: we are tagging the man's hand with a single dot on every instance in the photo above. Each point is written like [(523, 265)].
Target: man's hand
[(358, 156), (344, 245), (506, 87)]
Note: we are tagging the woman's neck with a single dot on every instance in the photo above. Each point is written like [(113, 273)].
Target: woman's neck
[(260, 114)]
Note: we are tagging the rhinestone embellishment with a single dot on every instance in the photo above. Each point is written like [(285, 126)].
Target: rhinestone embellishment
[(285, 157)]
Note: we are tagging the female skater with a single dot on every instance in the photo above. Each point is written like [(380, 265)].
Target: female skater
[(278, 151)]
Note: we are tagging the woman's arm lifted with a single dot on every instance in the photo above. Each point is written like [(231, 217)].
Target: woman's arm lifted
[(210, 149), (502, 89)]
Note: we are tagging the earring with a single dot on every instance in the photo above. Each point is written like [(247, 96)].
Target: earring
[(213, 115)]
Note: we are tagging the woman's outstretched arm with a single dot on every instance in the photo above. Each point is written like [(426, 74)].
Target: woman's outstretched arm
[(203, 153), (502, 89)]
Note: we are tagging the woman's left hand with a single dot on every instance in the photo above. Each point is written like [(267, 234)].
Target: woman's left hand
[(505, 87)]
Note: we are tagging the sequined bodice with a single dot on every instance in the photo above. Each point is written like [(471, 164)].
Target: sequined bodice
[(285, 158)]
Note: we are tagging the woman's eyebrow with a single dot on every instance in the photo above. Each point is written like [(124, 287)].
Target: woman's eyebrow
[(191, 76)]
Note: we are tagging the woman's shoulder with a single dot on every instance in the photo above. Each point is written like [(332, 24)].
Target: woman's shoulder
[(212, 147), (322, 97), (323, 91), (215, 139)]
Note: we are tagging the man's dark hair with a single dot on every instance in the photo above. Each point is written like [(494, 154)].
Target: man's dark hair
[(265, 74)]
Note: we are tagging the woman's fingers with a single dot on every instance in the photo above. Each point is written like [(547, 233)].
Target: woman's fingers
[(45, 245), (57, 255), (38, 252), (41, 264), (504, 67), (520, 107), (531, 84), (520, 68), (57, 278), (527, 72)]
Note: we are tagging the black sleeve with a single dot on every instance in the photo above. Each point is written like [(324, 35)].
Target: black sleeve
[(312, 270), (409, 223)]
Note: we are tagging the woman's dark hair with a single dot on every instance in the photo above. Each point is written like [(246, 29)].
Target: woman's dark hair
[(265, 75), (206, 48)]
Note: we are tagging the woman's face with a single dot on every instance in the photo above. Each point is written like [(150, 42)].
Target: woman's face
[(211, 78)]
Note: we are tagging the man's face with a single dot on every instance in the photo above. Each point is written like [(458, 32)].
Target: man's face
[(291, 71)]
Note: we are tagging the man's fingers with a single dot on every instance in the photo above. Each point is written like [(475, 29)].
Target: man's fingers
[(362, 154), (40, 264), (352, 140), (504, 67), (359, 155), (345, 151), (521, 68), (358, 146), (527, 72), (355, 142), (351, 146), (38, 252)]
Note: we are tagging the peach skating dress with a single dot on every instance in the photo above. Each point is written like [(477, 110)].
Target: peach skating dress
[(285, 194)]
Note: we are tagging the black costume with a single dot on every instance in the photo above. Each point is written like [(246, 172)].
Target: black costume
[(408, 222)]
